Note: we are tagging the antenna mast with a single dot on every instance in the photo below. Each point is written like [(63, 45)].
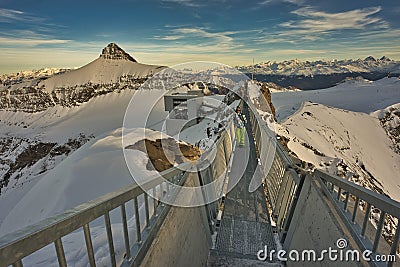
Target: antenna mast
[(252, 71)]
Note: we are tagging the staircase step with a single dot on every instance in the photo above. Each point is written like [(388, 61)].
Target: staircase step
[(218, 259)]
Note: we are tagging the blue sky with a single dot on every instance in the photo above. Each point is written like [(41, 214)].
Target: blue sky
[(43, 33)]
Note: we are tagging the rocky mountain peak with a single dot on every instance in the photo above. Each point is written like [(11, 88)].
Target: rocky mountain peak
[(385, 58), (113, 51)]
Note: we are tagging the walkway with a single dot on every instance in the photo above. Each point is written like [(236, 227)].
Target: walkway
[(245, 226)]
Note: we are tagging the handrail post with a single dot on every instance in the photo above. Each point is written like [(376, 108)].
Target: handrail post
[(89, 245), (146, 205), (110, 239), (379, 231), (18, 264), (137, 220), (366, 219), (60, 253), (125, 230)]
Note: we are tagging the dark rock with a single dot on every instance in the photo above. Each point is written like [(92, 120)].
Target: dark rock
[(267, 94), (113, 51), (163, 154)]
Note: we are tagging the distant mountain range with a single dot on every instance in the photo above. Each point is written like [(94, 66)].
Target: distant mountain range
[(324, 67), (308, 75), (115, 69)]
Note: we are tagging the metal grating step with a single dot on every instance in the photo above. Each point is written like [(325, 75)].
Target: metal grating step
[(244, 237), (222, 259)]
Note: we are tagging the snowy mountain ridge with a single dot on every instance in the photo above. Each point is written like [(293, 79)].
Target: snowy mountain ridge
[(114, 65), (35, 91), (24, 76), (323, 67)]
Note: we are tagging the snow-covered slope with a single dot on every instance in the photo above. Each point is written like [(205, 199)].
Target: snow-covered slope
[(91, 168), (323, 67), (95, 169), (112, 66), (350, 130), (355, 95), (98, 115), (45, 122), (34, 145), (114, 70), (350, 144)]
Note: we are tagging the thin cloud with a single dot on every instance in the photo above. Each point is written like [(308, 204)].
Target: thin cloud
[(195, 3), (188, 3), (104, 35), (189, 33), (296, 2), (12, 15), (169, 37), (266, 2), (298, 51), (36, 31), (314, 25), (27, 34), (381, 34), (28, 38), (272, 39), (199, 32), (319, 21), (315, 29), (204, 35), (30, 42), (269, 2)]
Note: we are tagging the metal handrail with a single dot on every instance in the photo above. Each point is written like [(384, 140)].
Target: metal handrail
[(224, 151), (335, 187), (382, 202), (283, 188), (282, 183), (17, 245)]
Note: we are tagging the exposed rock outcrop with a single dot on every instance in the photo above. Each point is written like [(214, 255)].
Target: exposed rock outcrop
[(162, 152), (267, 94), (113, 51)]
